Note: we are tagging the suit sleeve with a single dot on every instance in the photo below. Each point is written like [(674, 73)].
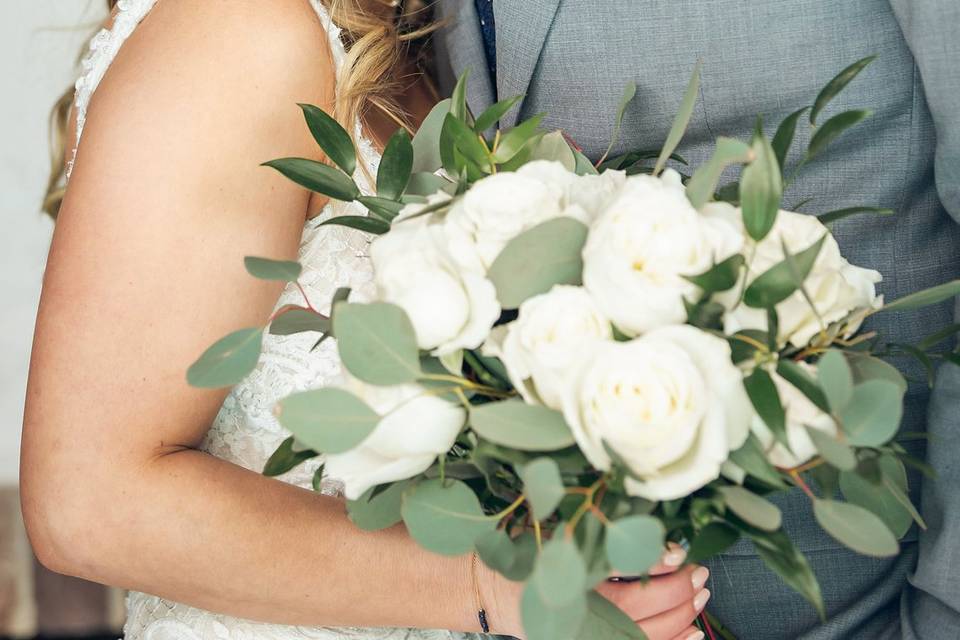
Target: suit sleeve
[(930, 604)]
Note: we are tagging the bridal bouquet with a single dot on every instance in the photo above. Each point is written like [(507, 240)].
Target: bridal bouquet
[(568, 365)]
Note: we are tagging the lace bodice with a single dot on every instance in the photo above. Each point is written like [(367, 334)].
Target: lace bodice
[(245, 431)]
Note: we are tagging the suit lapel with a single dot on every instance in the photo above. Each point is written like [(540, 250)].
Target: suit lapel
[(461, 42), (522, 28)]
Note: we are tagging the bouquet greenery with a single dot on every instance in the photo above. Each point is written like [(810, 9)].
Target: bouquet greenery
[(567, 365)]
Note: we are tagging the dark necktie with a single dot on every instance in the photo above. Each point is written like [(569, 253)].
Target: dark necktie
[(489, 31)]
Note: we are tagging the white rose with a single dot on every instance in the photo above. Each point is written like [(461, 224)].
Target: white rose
[(800, 412), (450, 307), (835, 286), (640, 248), (416, 427), (581, 197), (669, 403), (551, 332), (494, 211)]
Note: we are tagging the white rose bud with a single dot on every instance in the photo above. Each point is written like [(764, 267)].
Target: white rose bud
[(800, 413), (450, 307), (581, 197), (640, 248), (835, 286), (670, 404), (551, 333), (417, 426), (495, 210)]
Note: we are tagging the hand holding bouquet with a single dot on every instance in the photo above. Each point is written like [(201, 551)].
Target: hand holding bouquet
[(569, 365)]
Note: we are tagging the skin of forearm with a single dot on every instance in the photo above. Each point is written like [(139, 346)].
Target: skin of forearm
[(195, 529)]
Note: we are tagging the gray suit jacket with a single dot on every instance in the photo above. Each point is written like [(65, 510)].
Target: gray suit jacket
[(571, 58)]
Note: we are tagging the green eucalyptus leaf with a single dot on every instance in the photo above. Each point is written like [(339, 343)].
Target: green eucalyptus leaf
[(856, 528), (228, 360), (804, 382), (836, 379), (553, 146), (878, 500), (426, 142), (751, 458), (703, 184), (925, 298), (395, 166), (317, 177), (267, 269), (937, 337), (497, 550), (634, 544), (467, 141), (516, 138), (332, 138), (866, 367), (836, 85), (546, 621), (607, 621), (837, 453), (367, 224), (537, 259), (543, 486), (681, 120), (377, 342), (458, 97), (713, 539), (783, 138), (382, 208), (425, 184), (839, 214), (494, 113), (328, 420), (751, 508), (832, 128), (518, 425), (761, 189), (780, 281), (299, 320), (765, 398), (629, 92), (375, 511), (778, 553), (721, 276), (873, 414), (444, 518), (560, 576), (584, 167), (286, 458)]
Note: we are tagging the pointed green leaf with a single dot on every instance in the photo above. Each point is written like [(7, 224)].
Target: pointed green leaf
[(713, 539), (607, 621), (721, 276), (286, 458), (444, 518), (458, 98), (518, 425), (836, 85), (332, 138), (629, 92), (395, 166), (751, 458), (299, 320), (467, 141), (681, 120), (783, 138), (328, 420), (925, 298), (703, 184), (634, 544), (317, 177), (766, 401), (494, 113), (751, 508), (780, 281), (227, 361), (839, 214), (367, 224), (553, 146), (761, 189), (856, 528), (516, 138), (382, 208), (267, 269), (804, 382), (426, 142), (377, 342), (778, 553), (832, 128), (425, 184), (537, 259)]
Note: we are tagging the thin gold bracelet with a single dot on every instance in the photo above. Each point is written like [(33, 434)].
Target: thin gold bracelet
[(481, 612)]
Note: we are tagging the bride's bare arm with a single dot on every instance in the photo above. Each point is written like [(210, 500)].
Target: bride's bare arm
[(145, 271)]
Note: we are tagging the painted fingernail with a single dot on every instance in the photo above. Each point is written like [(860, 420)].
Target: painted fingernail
[(699, 577), (700, 600), (696, 635), (674, 557)]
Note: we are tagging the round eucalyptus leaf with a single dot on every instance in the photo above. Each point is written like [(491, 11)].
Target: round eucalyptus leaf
[(518, 425), (837, 453), (375, 512), (560, 575), (228, 360), (873, 414), (267, 269), (713, 539), (856, 528), (607, 621), (377, 343), (754, 510), (543, 621), (543, 486), (537, 259), (634, 544), (299, 320), (866, 367), (878, 500), (836, 379), (328, 420), (497, 551), (444, 518)]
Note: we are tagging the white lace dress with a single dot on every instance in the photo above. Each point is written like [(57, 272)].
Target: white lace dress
[(245, 431)]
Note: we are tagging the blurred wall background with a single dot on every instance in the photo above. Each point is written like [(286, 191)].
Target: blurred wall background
[(39, 44)]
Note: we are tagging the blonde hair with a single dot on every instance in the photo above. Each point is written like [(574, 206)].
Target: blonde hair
[(385, 42)]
